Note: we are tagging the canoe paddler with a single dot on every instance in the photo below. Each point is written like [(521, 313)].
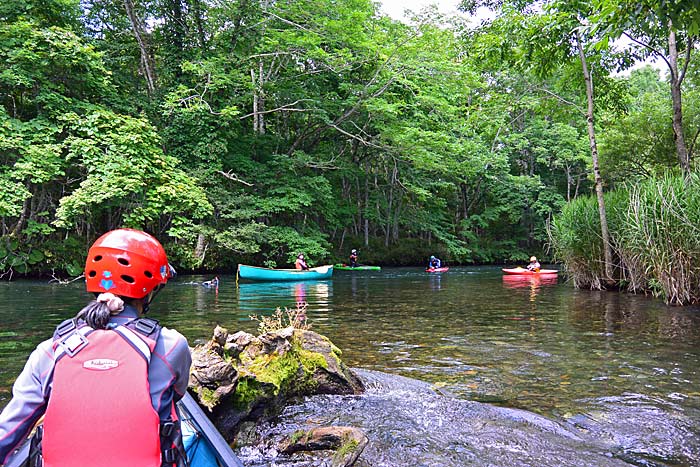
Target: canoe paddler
[(434, 263), (300, 264), (534, 265), (353, 258), (108, 380)]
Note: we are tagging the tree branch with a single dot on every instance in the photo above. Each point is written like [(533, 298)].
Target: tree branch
[(355, 137), (284, 107), (687, 60), (234, 177), (648, 46), (565, 101)]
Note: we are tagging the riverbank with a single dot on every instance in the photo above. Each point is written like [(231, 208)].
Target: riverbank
[(654, 235)]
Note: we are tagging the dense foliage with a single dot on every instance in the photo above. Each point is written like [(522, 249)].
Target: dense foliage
[(248, 131), (655, 236)]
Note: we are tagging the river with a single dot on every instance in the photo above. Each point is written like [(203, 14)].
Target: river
[(618, 367)]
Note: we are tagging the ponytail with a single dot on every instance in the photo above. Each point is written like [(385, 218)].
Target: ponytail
[(97, 313)]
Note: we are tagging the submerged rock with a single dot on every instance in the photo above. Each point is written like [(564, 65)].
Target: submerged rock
[(408, 424), (241, 377), (347, 442)]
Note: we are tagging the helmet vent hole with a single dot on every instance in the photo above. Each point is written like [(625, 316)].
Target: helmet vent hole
[(123, 261), (148, 274), (97, 258), (92, 273), (128, 279)]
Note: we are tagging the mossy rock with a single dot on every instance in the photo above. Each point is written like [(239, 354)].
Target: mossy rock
[(241, 377)]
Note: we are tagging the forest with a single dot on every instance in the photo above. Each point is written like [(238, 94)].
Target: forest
[(247, 131)]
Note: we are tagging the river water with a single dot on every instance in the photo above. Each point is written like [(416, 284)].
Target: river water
[(617, 368)]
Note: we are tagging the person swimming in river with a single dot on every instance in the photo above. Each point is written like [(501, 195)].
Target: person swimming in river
[(213, 284)]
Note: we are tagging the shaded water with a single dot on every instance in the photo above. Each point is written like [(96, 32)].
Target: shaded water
[(617, 367)]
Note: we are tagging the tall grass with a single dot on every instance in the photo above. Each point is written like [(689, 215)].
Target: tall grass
[(655, 234), (576, 241)]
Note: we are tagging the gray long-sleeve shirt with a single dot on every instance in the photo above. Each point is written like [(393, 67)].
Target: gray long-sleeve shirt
[(168, 375)]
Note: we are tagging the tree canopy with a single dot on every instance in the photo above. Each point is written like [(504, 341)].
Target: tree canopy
[(250, 131)]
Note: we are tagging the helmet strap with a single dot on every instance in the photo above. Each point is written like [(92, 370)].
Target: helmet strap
[(146, 305), (149, 298)]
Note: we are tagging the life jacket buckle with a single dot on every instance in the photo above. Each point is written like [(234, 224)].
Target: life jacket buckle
[(73, 343), (166, 429), (169, 455), (66, 327), (146, 325)]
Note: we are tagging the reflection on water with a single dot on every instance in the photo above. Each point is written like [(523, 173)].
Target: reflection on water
[(598, 359), (262, 297), (531, 282)]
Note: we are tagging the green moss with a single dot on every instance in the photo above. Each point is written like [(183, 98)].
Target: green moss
[(274, 369), (311, 360), (207, 397), (247, 391), (349, 447), (297, 435), (293, 369), (267, 375)]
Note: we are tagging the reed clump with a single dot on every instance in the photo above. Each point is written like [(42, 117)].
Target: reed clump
[(655, 235)]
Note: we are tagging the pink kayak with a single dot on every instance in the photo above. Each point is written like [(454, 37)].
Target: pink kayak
[(445, 269), (526, 272)]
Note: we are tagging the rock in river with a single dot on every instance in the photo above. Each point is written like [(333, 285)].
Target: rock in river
[(240, 377)]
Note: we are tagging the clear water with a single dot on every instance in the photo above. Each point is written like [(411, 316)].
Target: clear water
[(619, 367)]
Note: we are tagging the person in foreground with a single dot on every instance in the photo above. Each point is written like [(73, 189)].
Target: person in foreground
[(434, 263), (108, 380), (300, 264), (534, 265), (353, 258)]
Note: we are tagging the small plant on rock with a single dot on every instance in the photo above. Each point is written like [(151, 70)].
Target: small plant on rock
[(295, 318)]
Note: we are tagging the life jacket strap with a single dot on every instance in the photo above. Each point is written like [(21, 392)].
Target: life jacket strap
[(36, 459), (170, 456), (171, 436), (69, 339), (66, 327), (146, 326)]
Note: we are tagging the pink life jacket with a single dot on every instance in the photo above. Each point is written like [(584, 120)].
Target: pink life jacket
[(99, 411)]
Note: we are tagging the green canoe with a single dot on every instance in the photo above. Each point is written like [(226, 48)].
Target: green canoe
[(347, 267)]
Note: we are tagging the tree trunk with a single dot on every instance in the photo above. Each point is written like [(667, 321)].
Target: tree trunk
[(676, 81), (258, 99), (261, 99), (389, 207), (23, 217), (200, 249), (607, 249), (366, 210), (255, 101), (146, 59), (197, 12)]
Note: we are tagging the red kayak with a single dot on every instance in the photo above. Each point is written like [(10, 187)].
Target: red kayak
[(445, 269), (526, 272)]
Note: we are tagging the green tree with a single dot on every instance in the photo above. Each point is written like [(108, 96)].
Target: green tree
[(666, 30)]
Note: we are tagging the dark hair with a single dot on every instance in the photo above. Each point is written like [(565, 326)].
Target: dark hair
[(96, 314)]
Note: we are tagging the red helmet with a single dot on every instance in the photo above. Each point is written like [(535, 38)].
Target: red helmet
[(126, 262)]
